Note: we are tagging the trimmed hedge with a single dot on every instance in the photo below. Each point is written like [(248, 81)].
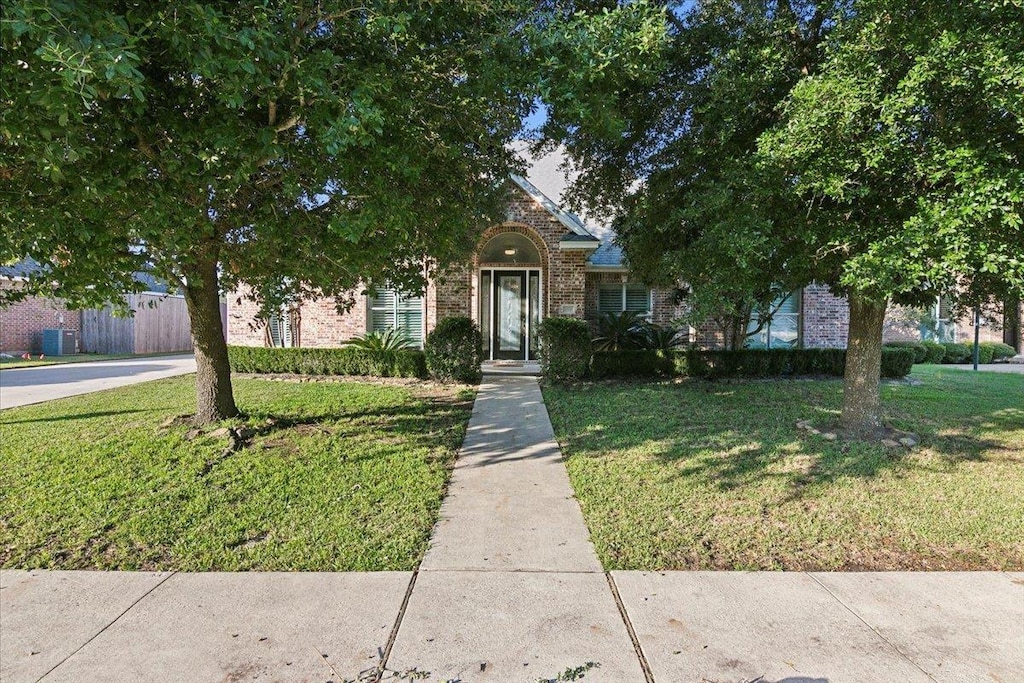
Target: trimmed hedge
[(631, 363), (764, 362), (454, 351), (920, 351), (1000, 351), (956, 353), (936, 351), (985, 354), (564, 348), (897, 362), (331, 361)]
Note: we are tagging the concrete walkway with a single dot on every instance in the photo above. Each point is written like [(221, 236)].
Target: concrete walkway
[(511, 590), (23, 386)]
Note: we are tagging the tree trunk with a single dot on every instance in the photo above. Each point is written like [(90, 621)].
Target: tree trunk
[(862, 408), (1012, 323), (214, 398)]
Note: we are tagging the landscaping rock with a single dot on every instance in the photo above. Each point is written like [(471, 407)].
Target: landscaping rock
[(244, 433), (890, 443), (829, 436), (908, 441)]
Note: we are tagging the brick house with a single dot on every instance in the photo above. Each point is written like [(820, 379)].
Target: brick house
[(540, 261), (22, 323)]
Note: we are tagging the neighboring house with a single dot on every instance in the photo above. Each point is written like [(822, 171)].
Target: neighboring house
[(540, 261), (160, 323), (22, 323)]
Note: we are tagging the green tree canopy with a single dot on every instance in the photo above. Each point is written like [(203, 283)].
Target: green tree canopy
[(294, 147), (871, 145)]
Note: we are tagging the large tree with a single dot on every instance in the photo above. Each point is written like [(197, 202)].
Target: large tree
[(872, 146), (298, 148)]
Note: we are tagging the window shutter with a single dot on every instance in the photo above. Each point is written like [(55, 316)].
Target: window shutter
[(609, 299), (382, 310), (409, 312), (638, 299), (274, 328), (390, 310)]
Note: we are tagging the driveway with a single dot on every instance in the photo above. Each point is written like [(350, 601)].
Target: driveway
[(22, 386)]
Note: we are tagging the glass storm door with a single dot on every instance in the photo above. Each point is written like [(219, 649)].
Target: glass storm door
[(509, 342)]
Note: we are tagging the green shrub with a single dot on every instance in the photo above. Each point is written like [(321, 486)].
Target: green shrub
[(564, 348), (332, 361), (1000, 351), (897, 362), (666, 339), (680, 363), (763, 362), (985, 354), (936, 351), (920, 351), (620, 332), (391, 339), (632, 363), (956, 353), (454, 351)]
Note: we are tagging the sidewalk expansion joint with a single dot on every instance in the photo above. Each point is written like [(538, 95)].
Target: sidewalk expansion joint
[(861, 619), (393, 636), (648, 673), (112, 622)]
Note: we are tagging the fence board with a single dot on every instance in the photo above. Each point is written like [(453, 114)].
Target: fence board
[(103, 333), (161, 324)]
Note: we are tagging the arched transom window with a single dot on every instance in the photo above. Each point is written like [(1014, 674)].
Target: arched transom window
[(510, 248)]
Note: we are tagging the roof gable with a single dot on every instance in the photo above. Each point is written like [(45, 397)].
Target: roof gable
[(564, 217)]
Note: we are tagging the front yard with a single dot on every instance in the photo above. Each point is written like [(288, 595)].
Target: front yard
[(698, 475), (347, 476)]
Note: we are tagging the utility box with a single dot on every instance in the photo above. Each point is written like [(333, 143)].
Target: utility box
[(60, 342)]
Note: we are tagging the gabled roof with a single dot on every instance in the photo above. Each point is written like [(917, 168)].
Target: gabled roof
[(564, 217)]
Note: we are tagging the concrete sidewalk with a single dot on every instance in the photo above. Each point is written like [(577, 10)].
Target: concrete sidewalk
[(511, 590)]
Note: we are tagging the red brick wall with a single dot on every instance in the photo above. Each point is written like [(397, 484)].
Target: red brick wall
[(22, 324), (320, 324), (824, 318)]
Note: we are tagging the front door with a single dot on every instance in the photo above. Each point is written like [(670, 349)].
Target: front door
[(509, 340)]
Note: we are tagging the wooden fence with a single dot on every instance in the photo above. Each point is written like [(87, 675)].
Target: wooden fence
[(160, 325)]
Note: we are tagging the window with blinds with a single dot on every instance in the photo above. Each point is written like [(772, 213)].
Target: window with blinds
[(390, 309), (782, 331), (616, 298), (279, 330)]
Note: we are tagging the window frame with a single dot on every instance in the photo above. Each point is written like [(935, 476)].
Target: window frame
[(623, 289), (776, 305), (398, 304)]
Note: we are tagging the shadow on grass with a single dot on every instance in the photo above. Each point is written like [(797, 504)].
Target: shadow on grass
[(418, 423), (737, 434), (76, 416)]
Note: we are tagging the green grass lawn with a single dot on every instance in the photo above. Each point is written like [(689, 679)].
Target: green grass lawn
[(351, 480), (696, 475)]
